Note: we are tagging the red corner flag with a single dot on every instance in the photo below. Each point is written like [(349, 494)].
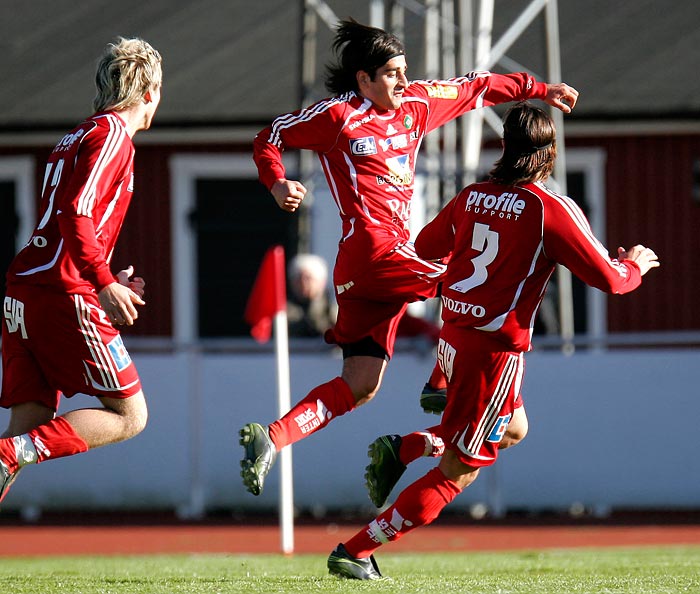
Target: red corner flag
[(269, 295)]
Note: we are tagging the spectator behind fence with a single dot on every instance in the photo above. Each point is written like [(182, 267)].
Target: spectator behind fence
[(310, 308)]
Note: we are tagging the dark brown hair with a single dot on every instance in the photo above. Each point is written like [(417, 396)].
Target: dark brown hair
[(359, 47), (529, 146)]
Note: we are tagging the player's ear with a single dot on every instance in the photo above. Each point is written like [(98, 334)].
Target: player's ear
[(362, 78), (147, 98)]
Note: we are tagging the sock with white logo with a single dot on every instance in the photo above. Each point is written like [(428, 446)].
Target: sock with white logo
[(56, 439), (417, 505), (320, 406), (25, 450), (421, 443)]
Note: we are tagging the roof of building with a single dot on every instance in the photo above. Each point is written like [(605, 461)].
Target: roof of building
[(239, 61)]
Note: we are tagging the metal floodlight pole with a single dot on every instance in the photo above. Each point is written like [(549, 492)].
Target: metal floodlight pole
[(566, 300), (485, 57), (475, 119)]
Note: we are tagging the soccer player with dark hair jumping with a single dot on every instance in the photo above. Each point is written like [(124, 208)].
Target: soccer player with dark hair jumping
[(367, 137)]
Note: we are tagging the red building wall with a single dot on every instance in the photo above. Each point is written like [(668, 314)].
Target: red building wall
[(649, 200)]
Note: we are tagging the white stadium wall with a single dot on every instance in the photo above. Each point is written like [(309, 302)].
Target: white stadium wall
[(607, 430)]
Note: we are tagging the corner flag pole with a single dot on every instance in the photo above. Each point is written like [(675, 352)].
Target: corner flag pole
[(266, 311), (286, 507)]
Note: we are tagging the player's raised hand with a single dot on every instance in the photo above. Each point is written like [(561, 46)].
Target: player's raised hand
[(562, 96), (288, 194)]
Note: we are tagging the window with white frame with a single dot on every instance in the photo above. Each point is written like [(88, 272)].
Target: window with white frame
[(17, 207), (223, 221)]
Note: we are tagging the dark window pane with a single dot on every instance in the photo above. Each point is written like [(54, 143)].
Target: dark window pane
[(236, 221), (8, 228)]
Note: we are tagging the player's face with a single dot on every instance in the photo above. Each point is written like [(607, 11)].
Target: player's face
[(389, 83)]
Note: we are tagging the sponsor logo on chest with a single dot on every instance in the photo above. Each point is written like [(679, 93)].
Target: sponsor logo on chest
[(363, 146)]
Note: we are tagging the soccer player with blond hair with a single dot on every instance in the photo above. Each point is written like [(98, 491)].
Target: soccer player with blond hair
[(63, 303)]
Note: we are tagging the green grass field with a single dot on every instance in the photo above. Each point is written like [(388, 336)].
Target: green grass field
[(628, 571)]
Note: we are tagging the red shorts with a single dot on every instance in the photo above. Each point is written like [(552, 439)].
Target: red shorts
[(55, 343), (483, 390), (371, 303)]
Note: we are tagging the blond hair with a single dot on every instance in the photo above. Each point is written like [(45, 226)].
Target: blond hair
[(128, 69)]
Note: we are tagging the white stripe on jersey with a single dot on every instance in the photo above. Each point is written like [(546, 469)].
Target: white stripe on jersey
[(459, 80), (331, 181), (415, 100), (290, 119), (100, 353), (498, 322), (110, 148), (408, 250), (366, 104), (109, 210), (44, 266), (577, 216)]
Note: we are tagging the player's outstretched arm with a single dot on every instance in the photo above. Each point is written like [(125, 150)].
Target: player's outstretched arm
[(561, 96), (288, 194)]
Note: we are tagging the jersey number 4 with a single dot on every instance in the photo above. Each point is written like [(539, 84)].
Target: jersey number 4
[(485, 241)]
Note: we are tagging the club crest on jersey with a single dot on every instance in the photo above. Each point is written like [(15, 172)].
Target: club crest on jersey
[(400, 173), (363, 146), (408, 122), (119, 353)]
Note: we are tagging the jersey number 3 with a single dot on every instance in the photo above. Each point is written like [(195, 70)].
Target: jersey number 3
[(485, 241)]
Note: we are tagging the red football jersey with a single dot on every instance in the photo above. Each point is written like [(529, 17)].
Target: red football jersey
[(86, 192), (369, 155), (505, 243)]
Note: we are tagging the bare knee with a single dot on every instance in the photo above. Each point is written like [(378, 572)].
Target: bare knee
[(137, 420), (456, 470), (364, 377), (363, 394), (517, 429), (137, 423), (132, 412)]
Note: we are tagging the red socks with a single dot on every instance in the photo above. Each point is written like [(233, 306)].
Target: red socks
[(417, 505), (321, 405), (421, 443), (55, 439)]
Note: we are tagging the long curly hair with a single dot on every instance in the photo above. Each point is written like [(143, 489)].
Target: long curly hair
[(529, 146)]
